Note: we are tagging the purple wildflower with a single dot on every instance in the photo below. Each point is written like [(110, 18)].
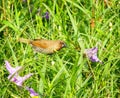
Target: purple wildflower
[(47, 16), (18, 80), (92, 54), (32, 92), (14, 76)]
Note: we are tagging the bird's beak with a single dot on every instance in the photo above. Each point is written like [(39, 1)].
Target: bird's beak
[(64, 45)]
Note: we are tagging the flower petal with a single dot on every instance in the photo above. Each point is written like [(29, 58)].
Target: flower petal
[(92, 54), (18, 80), (32, 92), (26, 77), (8, 67), (14, 71), (14, 76), (47, 15)]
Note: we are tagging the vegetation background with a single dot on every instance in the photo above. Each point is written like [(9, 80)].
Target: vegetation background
[(66, 74)]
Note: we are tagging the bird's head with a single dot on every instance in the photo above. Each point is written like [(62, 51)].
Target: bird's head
[(59, 45), (62, 44)]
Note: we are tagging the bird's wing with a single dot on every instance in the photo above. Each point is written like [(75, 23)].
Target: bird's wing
[(41, 43)]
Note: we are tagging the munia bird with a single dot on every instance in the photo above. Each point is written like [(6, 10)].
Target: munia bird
[(44, 46)]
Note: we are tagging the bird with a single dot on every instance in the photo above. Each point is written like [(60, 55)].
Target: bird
[(44, 46)]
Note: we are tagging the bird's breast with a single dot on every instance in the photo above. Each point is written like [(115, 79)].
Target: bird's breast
[(43, 50)]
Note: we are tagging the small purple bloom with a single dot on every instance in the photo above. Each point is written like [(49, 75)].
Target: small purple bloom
[(12, 70), (47, 16), (14, 76), (92, 54), (32, 92), (18, 80)]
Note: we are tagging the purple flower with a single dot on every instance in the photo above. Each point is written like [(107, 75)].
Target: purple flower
[(92, 54), (32, 92), (18, 80), (47, 16), (14, 76)]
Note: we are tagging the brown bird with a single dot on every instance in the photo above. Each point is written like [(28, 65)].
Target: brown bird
[(44, 46)]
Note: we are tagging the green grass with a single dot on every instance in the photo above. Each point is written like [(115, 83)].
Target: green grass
[(71, 75)]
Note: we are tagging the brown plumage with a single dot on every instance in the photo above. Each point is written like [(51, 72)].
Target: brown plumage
[(44, 46)]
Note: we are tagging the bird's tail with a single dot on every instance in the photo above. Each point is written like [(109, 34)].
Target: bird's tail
[(23, 40)]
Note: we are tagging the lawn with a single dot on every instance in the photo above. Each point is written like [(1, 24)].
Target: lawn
[(69, 72)]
